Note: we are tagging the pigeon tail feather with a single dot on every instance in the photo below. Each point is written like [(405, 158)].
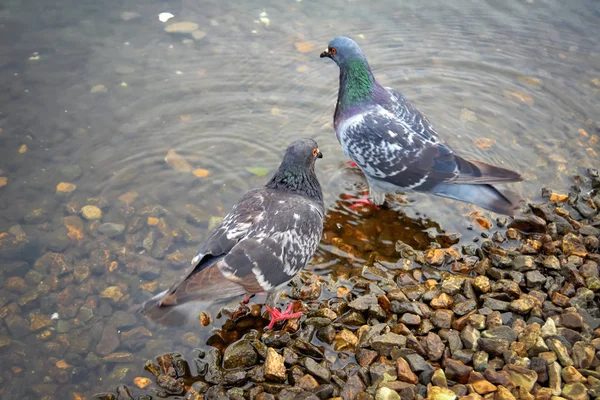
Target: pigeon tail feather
[(180, 314), (477, 172), (485, 196)]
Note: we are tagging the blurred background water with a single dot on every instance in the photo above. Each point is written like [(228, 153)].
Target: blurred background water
[(155, 130)]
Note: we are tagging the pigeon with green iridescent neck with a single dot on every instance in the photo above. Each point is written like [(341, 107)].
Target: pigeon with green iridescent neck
[(268, 237), (398, 149)]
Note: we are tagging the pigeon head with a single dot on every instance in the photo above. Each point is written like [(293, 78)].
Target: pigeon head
[(357, 83), (343, 51), (296, 173), (301, 153)]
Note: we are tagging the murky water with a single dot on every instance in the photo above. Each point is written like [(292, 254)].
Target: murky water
[(96, 98)]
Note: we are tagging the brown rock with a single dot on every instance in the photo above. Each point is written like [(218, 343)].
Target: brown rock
[(438, 393), (108, 342), (365, 357), (435, 346), (345, 340), (483, 387), (16, 284), (435, 256), (572, 320), (503, 394), (442, 318), (38, 321), (570, 374), (559, 299), (442, 300), (522, 376), (582, 355), (353, 386), (405, 373), (410, 319), (307, 382), (482, 283), (457, 370), (274, 368)]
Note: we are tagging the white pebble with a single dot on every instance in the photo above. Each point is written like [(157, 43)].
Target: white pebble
[(165, 16)]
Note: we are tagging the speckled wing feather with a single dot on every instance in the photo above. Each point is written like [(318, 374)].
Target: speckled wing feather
[(268, 237), (397, 145), (388, 149)]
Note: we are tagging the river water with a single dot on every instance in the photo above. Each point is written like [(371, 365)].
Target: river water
[(162, 131)]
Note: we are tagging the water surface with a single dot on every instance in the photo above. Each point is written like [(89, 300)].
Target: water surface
[(97, 98)]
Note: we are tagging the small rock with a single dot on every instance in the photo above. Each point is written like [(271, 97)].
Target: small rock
[(109, 341), (572, 320), (111, 230), (345, 340), (404, 372), (91, 212), (274, 368), (353, 386), (438, 393), (317, 370), (521, 376), (575, 391), (529, 224), (181, 27), (384, 393), (240, 354)]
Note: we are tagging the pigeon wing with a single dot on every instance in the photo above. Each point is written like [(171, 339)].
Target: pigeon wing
[(388, 149)]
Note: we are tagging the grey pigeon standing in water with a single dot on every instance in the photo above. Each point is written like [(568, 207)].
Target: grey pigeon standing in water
[(397, 148), (267, 238)]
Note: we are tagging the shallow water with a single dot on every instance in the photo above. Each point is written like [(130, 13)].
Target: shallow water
[(97, 98)]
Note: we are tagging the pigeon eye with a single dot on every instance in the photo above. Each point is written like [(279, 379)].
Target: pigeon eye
[(333, 50), (315, 152)]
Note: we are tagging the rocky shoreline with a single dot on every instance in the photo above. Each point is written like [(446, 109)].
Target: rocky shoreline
[(515, 317)]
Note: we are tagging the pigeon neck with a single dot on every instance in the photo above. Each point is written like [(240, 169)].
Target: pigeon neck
[(356, 84), (302, 181)]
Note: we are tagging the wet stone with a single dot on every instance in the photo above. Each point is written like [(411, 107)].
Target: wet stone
[(385, 343), (111, 230), (353, 386), (575, 391), (572, 320), (109, 341), (318, 371), (442, 318)]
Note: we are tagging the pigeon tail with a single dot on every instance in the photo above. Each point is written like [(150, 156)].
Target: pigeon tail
[(477, 172), (486, 196), (180, 314)]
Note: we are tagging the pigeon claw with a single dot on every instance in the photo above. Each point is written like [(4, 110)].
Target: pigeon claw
[(362, 201), (277, 316)]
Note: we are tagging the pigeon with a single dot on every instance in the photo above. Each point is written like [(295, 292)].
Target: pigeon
[(268, 237), (397, 148)]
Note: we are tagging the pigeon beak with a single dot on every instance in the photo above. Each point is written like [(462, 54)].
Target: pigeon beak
[(326, 53), (319, 154)]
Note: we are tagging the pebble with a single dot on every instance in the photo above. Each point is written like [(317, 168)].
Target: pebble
[(182, 27), (90, 212)]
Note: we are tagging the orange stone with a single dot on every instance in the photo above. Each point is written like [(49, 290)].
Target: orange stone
[(152, 221), (201, 173), (558, 198), (62, 364), (484, 143), (141, 382), (65, 187), (128, 197)]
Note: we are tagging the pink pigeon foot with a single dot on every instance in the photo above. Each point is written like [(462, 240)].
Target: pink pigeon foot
[(361, 201), (277, 315), (352, 164)]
